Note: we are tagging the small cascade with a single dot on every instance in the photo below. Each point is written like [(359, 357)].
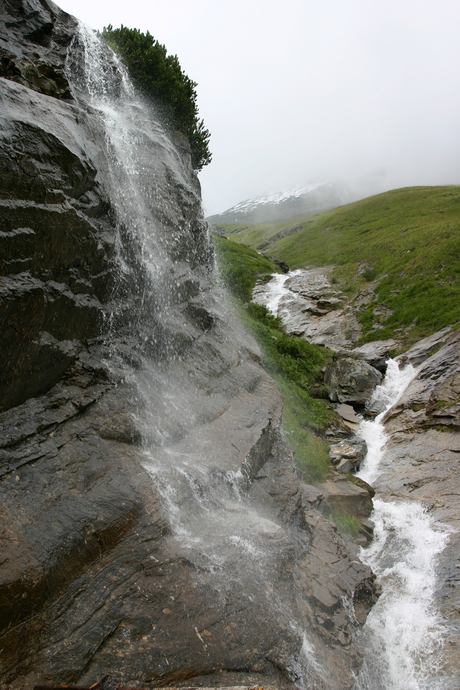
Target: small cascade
[(274, 295), (403, 635), (373, 431)]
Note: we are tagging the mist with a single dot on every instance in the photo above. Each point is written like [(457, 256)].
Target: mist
[(295, 92)]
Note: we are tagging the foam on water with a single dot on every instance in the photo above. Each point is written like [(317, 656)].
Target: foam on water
[(270, 294), (403, 635), (373, 431)]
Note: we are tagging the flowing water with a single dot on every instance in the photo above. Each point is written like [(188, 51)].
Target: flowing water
[(403, 635), (212, 523), (237, 552)]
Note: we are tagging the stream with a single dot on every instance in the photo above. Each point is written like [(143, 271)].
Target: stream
[(404, 634)]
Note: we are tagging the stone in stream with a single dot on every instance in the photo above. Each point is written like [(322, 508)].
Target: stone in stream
[(347, 455), (351, 380), (347, 413)]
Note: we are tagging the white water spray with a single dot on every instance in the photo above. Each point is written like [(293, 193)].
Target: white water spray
[(274, 295), (373, 431), (403, 634)]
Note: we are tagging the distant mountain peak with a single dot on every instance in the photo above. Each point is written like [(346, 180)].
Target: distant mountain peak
[(290, 204), (277, 198)]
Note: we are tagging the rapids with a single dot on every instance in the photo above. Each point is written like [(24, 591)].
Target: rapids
[(403, 635)]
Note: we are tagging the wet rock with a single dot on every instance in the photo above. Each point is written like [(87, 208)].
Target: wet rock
[(346, 498), (421, 463), (310, 310), (375, 353), (351, 380), (419, 352), (432, 399), (328, 554), (347, 413), (326, 570), (347, 455), (152, 522)]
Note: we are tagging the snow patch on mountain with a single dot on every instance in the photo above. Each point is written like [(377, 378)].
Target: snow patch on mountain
[(277, 198)]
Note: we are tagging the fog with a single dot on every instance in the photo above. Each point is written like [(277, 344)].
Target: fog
[(312, 90)]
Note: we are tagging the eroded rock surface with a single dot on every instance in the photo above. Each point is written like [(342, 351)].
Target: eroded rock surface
[(153, 526), (421, 462), (351, 380), (312, 309)]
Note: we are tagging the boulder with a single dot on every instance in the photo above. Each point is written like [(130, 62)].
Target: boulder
[(346, 498), (375, 353), (347, 455), (351, 380)]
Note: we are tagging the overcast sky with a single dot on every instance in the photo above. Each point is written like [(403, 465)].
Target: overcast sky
[(297, 91)]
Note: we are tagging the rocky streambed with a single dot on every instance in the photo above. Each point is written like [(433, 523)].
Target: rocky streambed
[(414, 470)]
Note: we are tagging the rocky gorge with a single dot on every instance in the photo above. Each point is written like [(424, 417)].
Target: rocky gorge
[(153, 525), (415, 474)]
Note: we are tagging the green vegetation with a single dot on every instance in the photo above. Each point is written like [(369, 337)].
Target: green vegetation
[(160, 76), (295, 365), (402, 247), (346, 524), (240, 268)]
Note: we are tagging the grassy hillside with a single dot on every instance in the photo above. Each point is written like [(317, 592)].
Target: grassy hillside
[(403, 244), (295, 365)]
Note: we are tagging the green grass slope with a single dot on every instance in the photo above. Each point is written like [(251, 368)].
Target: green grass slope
[(295, 365), (403, 244)]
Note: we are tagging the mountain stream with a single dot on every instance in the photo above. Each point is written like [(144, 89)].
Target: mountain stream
[(404, 635)]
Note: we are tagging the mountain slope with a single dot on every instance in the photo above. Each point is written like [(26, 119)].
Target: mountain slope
[(287, 205), (397, 252)]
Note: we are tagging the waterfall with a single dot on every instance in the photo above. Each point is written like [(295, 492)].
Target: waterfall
[(403, 635), (156, 248), (237, 552)]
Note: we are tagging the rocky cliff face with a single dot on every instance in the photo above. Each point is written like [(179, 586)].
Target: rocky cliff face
[(152, 523)]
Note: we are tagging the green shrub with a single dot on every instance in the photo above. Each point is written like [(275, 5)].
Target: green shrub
[(160, 76), (241, 267), (346, 524)]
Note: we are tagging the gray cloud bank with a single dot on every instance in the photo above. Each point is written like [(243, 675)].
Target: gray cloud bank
[(301, 91)]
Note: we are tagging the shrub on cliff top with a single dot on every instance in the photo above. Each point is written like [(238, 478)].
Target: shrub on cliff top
[(160, 75)]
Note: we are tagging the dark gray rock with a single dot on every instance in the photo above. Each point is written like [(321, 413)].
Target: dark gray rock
[(375, 353), (351, 380), (152, 524)]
